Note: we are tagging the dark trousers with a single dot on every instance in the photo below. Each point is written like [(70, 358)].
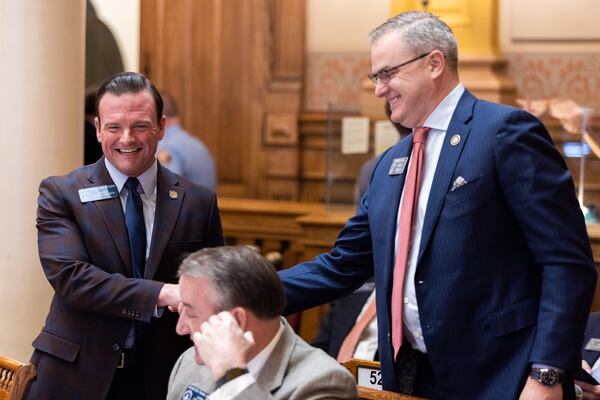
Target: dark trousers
[(128, 381), (414, 373)]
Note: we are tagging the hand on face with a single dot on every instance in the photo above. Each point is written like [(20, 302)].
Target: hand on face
[(221, 344)]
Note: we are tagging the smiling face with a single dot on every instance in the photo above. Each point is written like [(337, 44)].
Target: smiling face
[(197, 305), (128, 131), (411, 90)]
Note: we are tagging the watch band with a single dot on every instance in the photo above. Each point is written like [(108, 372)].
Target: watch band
[(231, 375), (547, 376)]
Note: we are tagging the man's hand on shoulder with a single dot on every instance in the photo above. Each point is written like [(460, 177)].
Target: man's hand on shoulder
[(169, 296), (222, 345), (534, 390)]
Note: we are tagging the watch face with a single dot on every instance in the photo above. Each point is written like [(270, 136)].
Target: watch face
[(548, 377)]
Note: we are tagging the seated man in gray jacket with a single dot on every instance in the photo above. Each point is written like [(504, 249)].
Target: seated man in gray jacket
[(232, 300)]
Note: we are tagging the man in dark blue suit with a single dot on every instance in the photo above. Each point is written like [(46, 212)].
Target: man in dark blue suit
[(499, 276)]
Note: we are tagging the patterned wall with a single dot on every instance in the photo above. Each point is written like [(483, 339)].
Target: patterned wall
[(337, 78), (575, 76)]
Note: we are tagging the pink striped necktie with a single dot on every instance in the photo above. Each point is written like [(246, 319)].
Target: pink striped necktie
[(407, 212), (351, 341)]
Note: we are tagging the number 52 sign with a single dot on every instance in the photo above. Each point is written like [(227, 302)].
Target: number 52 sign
[(369, 377)]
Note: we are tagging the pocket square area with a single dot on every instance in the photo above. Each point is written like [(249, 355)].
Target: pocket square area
[(458, 182)]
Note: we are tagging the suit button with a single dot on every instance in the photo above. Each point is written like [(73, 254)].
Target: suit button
[(124, 311), (116, 347), (420, 282), (389, 337)]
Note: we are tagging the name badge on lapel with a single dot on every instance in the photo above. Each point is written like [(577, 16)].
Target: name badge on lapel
[(193, 393), (593, 344), (398, 166), (98, 193)]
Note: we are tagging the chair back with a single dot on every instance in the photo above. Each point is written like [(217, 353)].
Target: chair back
[(14, 377)]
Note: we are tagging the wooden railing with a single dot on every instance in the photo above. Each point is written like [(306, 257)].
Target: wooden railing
[(300, 231)]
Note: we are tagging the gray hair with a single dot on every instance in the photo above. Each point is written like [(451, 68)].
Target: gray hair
[(239, 277), (423, 32)]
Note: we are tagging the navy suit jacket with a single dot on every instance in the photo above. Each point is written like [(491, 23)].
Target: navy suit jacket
[(85, 255), (505, 275)]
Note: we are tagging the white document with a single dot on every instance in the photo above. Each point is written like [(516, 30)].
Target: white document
[(386, 136), (355, 135)]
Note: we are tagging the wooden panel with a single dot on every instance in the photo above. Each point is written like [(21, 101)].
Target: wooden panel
[(316, 141), (288, 24), (229, 63)]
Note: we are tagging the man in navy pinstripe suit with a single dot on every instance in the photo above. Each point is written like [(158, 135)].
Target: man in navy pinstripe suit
[(106, 335), (500, 275)]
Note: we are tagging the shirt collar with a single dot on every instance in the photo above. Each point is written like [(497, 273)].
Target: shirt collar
[(147, 178), (258, 362), (440, 118)]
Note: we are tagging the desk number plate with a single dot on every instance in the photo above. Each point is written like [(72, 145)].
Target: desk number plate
[(369, 377)]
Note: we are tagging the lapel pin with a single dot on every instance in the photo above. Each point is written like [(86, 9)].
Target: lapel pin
[(455, 140), (172, 194), (397, 166)]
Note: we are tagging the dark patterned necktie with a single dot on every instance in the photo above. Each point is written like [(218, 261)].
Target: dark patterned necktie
[(136, 229)]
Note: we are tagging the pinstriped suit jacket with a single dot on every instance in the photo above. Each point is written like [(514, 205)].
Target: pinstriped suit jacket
[(84, 252), (505, 275)]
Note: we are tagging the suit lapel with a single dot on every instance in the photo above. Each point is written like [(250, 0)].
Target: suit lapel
[(169, 198), (395, 183), (112, 213), (446, 165), (272, 374)]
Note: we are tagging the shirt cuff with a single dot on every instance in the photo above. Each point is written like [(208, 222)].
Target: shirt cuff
[(158, 311), (233, 388)]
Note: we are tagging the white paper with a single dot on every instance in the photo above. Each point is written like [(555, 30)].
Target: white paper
[(355, 135), (386, 135)]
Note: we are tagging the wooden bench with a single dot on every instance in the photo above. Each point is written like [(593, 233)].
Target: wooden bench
[(14, 377)]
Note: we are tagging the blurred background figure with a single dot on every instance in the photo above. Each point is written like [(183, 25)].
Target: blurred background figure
[(184, 153)]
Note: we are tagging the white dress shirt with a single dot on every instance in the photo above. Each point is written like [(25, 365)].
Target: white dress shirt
[(438, 121)]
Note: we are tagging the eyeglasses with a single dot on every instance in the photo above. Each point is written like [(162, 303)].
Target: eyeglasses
[(385, 75)]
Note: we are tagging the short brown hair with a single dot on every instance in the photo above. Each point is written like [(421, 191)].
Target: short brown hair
[(240, 277)]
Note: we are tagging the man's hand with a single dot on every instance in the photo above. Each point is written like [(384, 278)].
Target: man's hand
[(222, 345), (169, 296), (590, 392), (534, 390)]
